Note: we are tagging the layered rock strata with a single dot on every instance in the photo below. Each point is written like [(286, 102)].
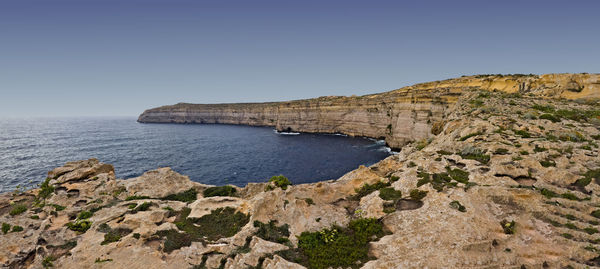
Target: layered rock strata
[(509, 180), (398, 116)]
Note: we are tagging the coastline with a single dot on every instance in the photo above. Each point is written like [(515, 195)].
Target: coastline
[(508, 180)]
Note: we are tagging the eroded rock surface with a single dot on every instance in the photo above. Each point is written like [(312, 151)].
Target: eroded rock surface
[(508, 180)]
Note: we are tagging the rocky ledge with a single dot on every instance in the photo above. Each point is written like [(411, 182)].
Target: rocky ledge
[(398, 117), (507, 180)]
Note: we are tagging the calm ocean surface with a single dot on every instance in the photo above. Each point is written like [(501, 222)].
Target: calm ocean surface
[(211, 154)]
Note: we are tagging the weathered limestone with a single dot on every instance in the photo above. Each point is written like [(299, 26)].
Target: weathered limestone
[(495, 158), (399, 116)]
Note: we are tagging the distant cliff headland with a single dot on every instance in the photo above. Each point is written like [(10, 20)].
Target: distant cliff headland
[(494, 179), (399, 116)]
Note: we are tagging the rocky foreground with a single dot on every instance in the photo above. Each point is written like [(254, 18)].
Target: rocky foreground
[(506, 180)]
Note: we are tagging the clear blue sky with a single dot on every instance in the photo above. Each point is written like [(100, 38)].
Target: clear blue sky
[(90, 57)]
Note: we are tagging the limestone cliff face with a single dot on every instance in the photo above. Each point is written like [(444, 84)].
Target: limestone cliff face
[(398, 116), (507, 181)]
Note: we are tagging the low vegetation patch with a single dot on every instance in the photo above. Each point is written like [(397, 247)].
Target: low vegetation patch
[(17, 209), (136, 197), (219, 191), (85, 215), (143, 207), (45, 190), (336, 247), (367, 189), (5, 228), (271, 232), (389, 193), (473, 153), (279, 181), (508, 227), (80, 226), (550, 117), (220, 223), (186, 196), (113, 235), (458, 206), (547, 163), (469, 136), (522, 133), (417, 195)]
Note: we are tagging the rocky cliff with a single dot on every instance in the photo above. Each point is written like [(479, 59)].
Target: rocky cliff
[(508, 180), (398, 116)]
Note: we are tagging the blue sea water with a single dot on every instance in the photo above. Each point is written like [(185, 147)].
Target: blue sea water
[(207, 153)]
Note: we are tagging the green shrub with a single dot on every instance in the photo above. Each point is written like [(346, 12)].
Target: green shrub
[(219, 191), (501, 151), (544, 108), (550, 117), (17, 209), (309, 201), (570, 226), (508, 227), (567, 235), (389, 193), (136, 235), (444, 152), (186, 196), (473, 153), (539, 149), (80, 226), (548, 193), (524, 152), (582, 182), (595, 213), (424, 178), (85, 215), (271, 232), (336, 247), (547, 163), (114, 235), (458, 175), (572, 137), (569, 196), (136, 197), (456, 205), (367, 189), (469, 136), (143, 207), (58, 207), (522, 133), (417, 194), (6, 227), (220, 223), (47, 262), (45, 189), (280, 181), (17, 228), (98, 260), (590, 230)]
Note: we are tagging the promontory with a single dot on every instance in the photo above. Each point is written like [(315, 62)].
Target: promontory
[(493, 171)]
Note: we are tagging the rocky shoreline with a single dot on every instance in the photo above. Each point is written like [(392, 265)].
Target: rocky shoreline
[(503, 179), (398, 117)]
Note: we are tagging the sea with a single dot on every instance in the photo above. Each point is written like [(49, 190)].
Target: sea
[(214, 154)]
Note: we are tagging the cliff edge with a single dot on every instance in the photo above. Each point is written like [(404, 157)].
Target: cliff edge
[(507, 180), (399, 116)]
